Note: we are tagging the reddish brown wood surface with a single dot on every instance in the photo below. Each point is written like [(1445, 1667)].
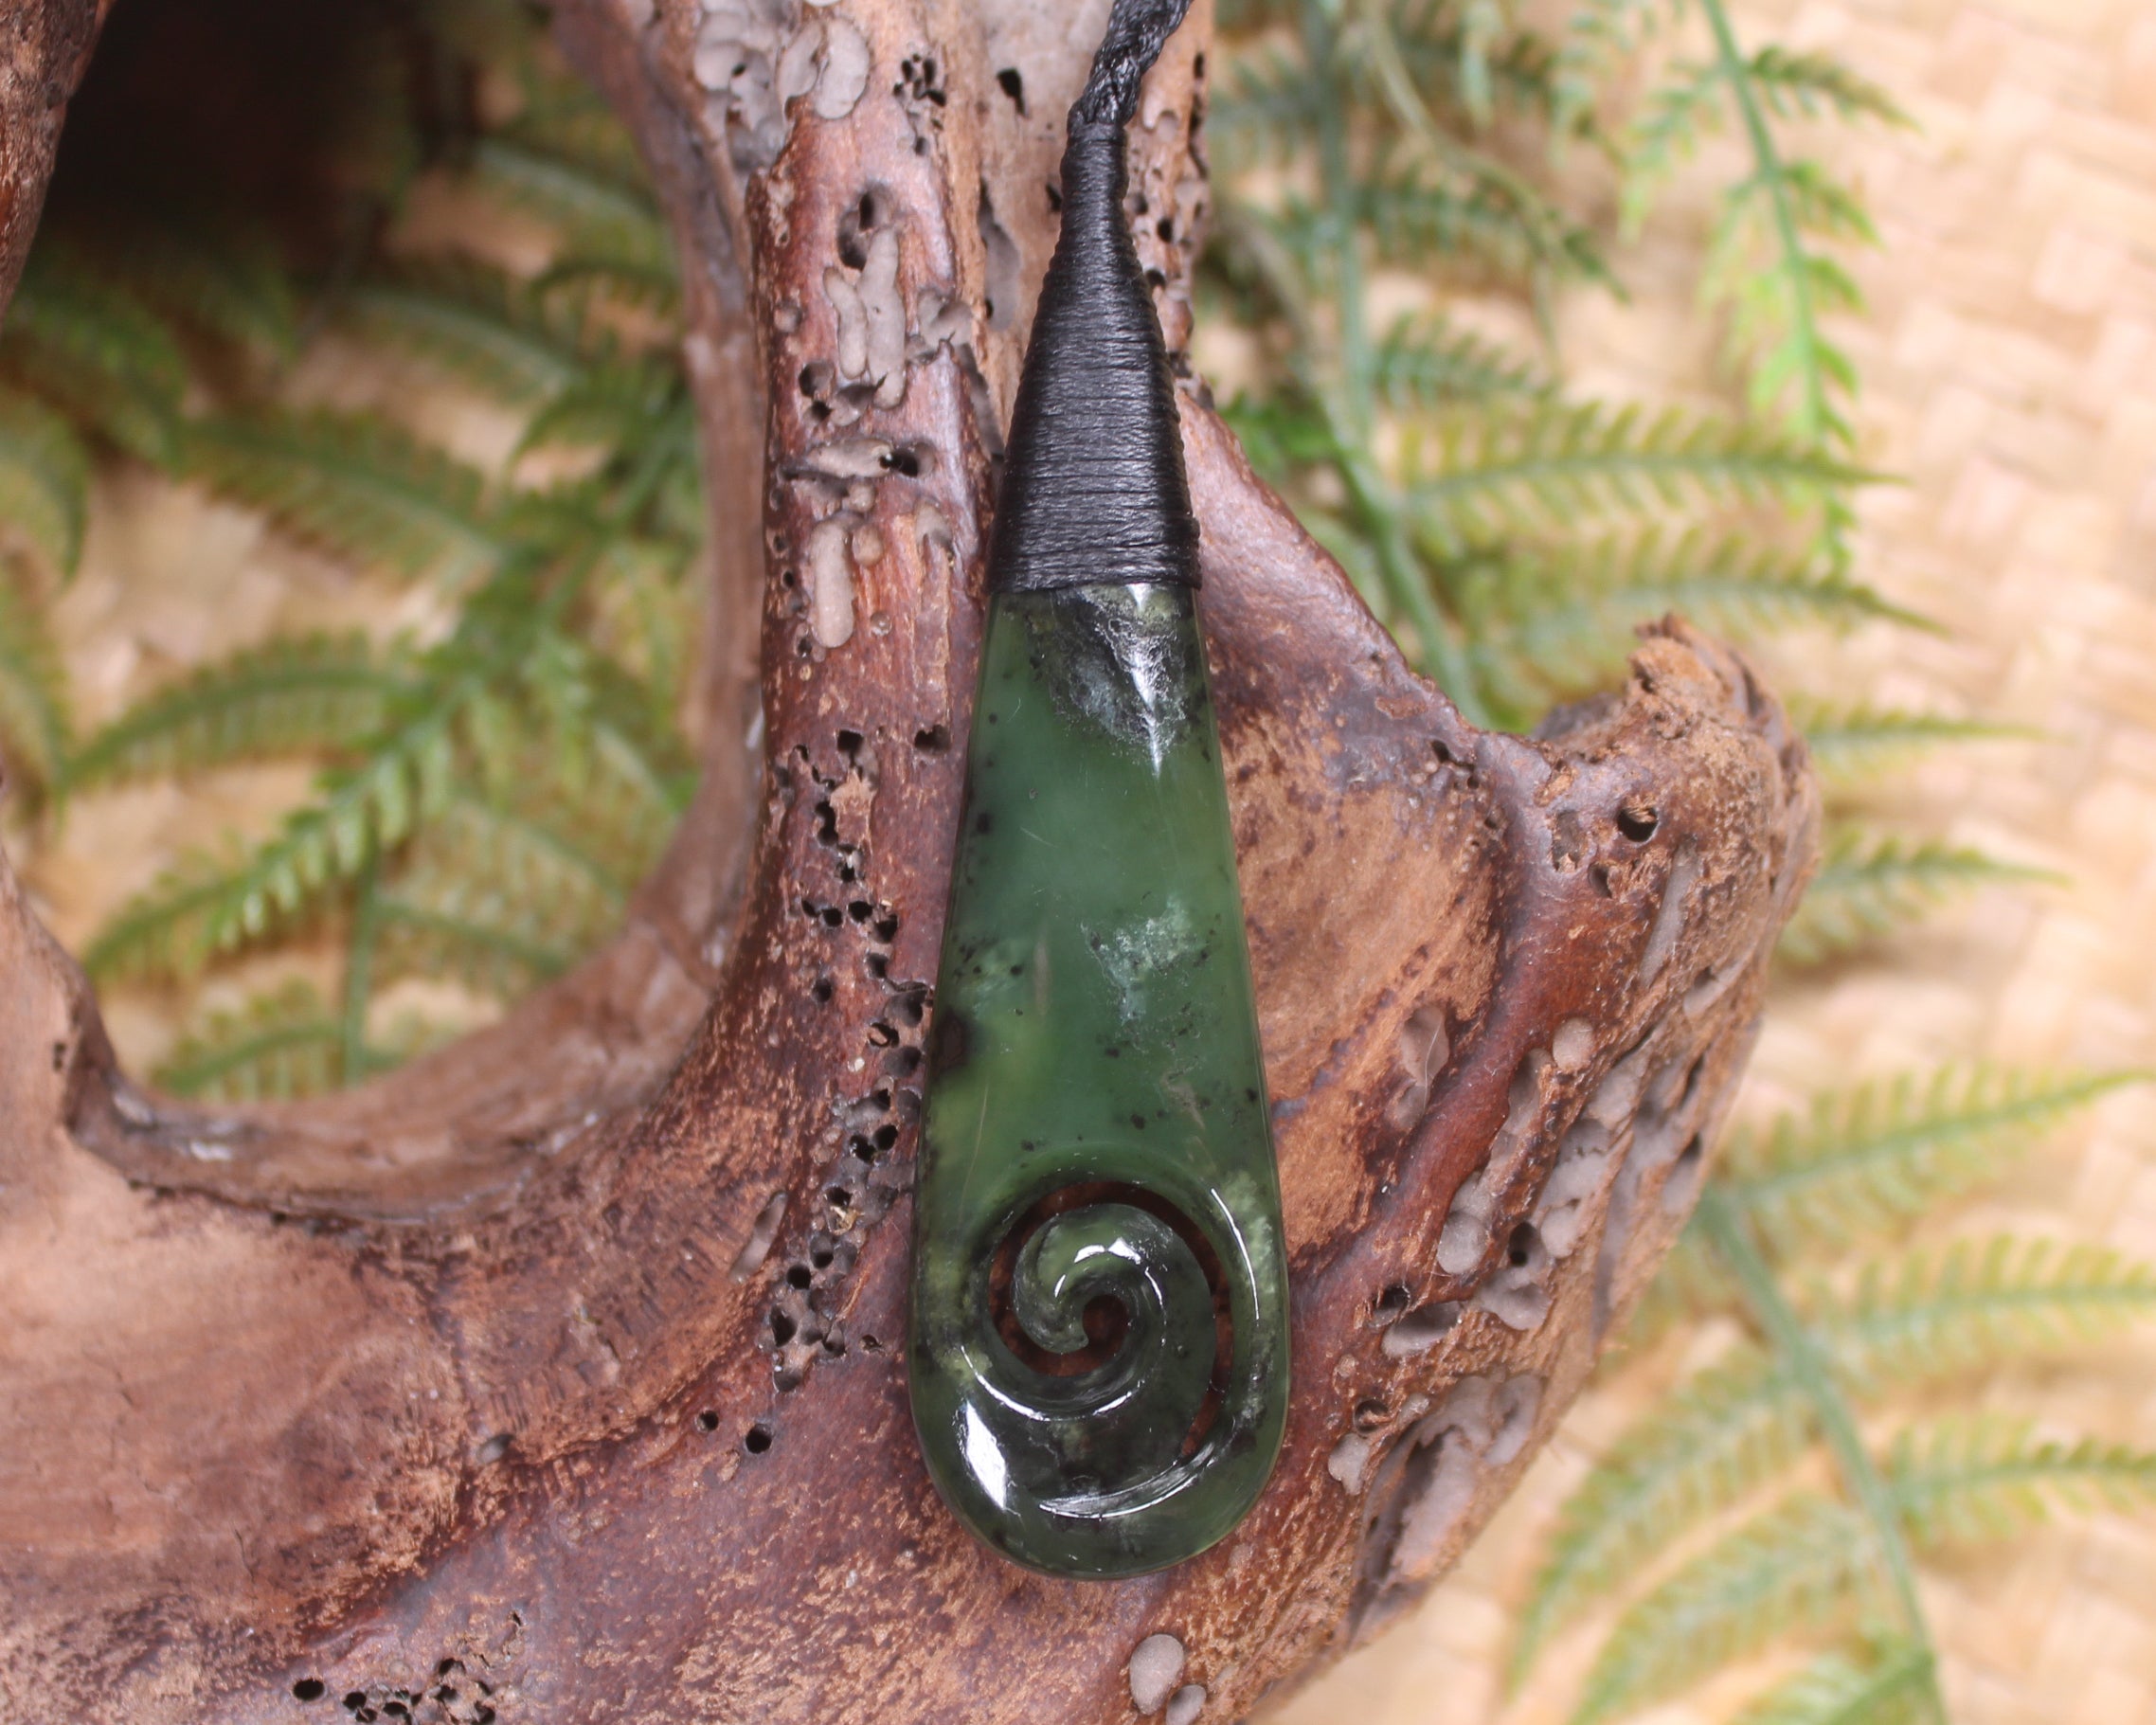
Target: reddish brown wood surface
[(464, 1392)]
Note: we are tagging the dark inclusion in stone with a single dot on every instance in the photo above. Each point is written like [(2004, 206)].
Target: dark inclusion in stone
[(1100, 1312)]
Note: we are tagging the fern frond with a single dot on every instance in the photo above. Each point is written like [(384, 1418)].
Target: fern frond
[(1870, 883), (1929, 1313), (1698, 1452), (1692, 1283), (608, 405), (1865, 1160), (650, 287), (1673, 119), (1983, 1477), (276, 1047), (1416, 211), (1424, 362), (480, 323), (1796, 366), (33, 693), (205, 272), (1494, 472), (1566, 613), (1792, 84), (1477, 72), (45, 480), (1265, 105), (1810, 1563), (500, 897), (1891, 1684), (596, 214), (96, 352), (565, 118), (177, 927), (296, 697), (354, 486), (1851, 743), (500, 957)]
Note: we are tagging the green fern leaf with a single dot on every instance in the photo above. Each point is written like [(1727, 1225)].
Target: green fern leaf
[(96, 352), (1267, 105), (1866, 1161), (1673, 119), (596, 214), (1415, 210), (45, 480), (1890, 1684), (203, 272), (565, 118), (1801, 85), (298, 697), (33, 693), (1496, 471), (202, 912), (1700, 1450), (1810, 1563), (645, 285), (1565, 616), (501, 898), (1851, 743), (609, 404), (1447, 55), (356, 487), (1692, 1283), (502, 957), (1424, 362), (1985, 1477), (1928, 1314), (277, 1047), (481, 324), (1870, 883)]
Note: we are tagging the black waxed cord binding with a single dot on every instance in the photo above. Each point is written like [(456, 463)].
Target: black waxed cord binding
[(1094, 491)]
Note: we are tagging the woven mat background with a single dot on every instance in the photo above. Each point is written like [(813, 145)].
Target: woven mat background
[(2010, 368), (2009, 364)]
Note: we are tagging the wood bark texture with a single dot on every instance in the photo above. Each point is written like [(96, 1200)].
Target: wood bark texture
[(554, 1379)]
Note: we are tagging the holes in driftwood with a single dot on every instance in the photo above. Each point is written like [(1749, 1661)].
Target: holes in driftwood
[(1013, 86), (758, 1440), (308, 1689), (708, 1420), (1003, 265), (1518, 1293), (1683, 1186), (1421, 1329), (1637, 822), (761, 1232)]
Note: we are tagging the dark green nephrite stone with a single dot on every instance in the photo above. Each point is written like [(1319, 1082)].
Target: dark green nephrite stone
[(1099, 1328)]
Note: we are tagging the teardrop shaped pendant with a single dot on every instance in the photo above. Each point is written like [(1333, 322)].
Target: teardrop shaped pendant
[(1098, 1322)]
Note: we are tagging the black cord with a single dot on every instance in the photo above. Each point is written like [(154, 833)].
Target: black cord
[(1093, 485), (1137, 31)]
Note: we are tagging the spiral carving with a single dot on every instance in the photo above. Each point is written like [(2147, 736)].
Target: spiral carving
[(1080, 1457)]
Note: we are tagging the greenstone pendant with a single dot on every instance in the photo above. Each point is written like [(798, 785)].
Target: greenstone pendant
[(1094, 1071), (1098, 1340)]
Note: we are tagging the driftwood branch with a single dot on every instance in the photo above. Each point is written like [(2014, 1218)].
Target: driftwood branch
[(554, 1379)]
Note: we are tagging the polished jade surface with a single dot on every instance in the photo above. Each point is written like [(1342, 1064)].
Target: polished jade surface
[(1099, 1324)]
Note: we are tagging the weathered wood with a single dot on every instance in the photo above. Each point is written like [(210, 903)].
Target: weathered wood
[(553, 1380)]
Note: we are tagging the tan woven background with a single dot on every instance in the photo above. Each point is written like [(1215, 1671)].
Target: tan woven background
[(2010, 376), (2010, 367)]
